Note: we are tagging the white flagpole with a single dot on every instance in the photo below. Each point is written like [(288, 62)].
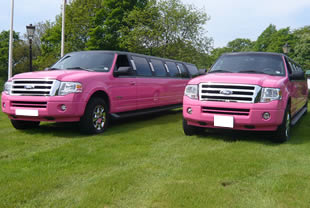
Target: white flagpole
[(63, 29), (11, 42)]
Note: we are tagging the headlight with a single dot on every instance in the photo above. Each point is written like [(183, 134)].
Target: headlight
[(69, 87), (270, 94), (7, 87), (191, 91)]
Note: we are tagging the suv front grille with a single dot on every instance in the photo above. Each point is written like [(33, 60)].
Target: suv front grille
[(34, 87), (226, 111), (29, 104), (228, 92)]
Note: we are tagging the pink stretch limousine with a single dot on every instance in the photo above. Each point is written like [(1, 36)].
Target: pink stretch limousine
[(247, 91), (90, 87)]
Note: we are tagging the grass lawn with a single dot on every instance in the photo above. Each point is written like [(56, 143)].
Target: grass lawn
[(149, 162)]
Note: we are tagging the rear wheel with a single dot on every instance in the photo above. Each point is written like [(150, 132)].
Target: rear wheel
[(191, 130), (283, 132), (96, 117), (25, 124)]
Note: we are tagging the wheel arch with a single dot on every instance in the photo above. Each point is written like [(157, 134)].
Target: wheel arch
[(100, 94)]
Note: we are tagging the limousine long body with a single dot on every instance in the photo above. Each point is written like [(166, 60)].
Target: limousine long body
[(90, 87)]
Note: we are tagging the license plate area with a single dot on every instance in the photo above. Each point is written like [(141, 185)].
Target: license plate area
[(224, 121), (25, 112)]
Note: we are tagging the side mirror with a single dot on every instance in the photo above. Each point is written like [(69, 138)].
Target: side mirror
[(123, 70), (201, 71), (300, 75)]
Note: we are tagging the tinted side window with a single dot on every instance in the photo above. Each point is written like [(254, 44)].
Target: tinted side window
[(192, 70), (159, 68), (143, 67), (184, 73), (174, 72)]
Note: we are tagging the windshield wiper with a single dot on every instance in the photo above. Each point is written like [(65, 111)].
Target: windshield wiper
[(51, 69), (220, 71), (251, 72), (79, 68)]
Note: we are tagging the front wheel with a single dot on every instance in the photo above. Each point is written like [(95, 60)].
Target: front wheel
[(96, 117), (283, 132), (190, 130), (24, 124)]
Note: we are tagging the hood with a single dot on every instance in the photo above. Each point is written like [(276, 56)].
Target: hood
[(61, 75), (263, 80)]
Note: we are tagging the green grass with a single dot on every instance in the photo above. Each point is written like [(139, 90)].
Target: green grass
[(148, 162)]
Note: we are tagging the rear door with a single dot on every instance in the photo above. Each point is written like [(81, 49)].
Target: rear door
[(148, 88)]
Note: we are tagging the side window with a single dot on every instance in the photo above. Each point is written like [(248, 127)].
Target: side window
[(122, 61), (192, 70), (143, 67), (184, 73), (159, 68), (174, 72)]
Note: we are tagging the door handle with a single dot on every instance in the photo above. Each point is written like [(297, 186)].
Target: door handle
[(132, 83)]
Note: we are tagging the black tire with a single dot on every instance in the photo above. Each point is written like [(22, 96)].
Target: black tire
[(25, 124), (96, 117), (191, 130), (283, 132)]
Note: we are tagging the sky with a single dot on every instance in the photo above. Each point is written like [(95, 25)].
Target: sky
[(230, 19)]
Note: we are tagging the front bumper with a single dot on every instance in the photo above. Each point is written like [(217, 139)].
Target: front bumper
[(245, 116), (48, 108)]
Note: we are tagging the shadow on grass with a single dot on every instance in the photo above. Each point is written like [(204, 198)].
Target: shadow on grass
[(299, 134), (71, 130)]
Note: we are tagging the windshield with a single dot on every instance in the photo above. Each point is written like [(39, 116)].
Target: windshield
[(250, 63), (88, 60)]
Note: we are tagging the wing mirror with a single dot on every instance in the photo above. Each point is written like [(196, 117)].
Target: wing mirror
[(300, 75), (122, 71)]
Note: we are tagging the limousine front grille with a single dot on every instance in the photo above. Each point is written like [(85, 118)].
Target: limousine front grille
[(228, 92), (226, 111), (29, 104), (34, 87)]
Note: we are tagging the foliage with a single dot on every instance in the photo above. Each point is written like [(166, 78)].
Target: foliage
[(167, 29), (240, 44), (4, 51), (107, 22)]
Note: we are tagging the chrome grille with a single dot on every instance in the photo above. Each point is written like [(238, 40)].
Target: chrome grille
[(228, 92), (34, 87)]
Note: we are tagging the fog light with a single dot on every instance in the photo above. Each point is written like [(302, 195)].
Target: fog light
[(63, 107), (189, 110), (266, 115)]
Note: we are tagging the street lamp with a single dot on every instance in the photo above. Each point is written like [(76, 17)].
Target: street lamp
[(30, 33), (286, 48)]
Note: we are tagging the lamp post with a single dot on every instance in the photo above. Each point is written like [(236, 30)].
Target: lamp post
[(30, 33), (286, 48)]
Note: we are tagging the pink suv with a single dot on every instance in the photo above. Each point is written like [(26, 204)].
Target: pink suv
[(247, 91), (90, 87)]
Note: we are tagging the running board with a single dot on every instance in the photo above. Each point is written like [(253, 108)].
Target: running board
[(298, 116), (144, 111)]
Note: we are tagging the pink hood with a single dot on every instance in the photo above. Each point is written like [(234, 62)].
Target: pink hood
[(263, 80), (61, 75)]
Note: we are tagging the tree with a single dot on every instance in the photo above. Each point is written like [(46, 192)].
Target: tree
[(167, 29), (264, 39), (302, 51), (4, 51), (240, 44), (108, 21)]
